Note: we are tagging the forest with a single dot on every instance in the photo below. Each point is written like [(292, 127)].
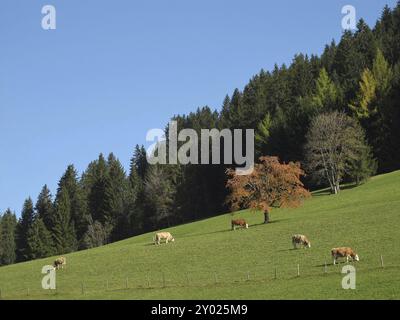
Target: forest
[(355, 81)]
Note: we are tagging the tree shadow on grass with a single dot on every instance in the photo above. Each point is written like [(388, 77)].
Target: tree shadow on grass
[(266, 224), (327, 191), (321, 193), (213, 232), (290, 249), (221, 231)]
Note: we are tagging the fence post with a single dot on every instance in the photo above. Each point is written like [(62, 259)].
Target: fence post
[(275, 274), (382, 261), (215, 277), (325, 268), (248, 276), (298, 270), (187, 278)]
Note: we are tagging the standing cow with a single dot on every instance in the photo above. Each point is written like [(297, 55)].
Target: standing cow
[(239, 223), (60, 262), (344, 252), (163, 235), (300, 239)]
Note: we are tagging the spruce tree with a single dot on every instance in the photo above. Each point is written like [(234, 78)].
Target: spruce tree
[(8, 246), (140, 161), (363, 165), (118, 194), (69, 181), (44, 206), (23, 226), (39, 241), (63, 230)]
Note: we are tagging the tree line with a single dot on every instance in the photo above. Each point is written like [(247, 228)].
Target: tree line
[(337, 114)]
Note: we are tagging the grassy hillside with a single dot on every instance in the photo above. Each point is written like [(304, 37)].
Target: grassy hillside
[(208, 261)]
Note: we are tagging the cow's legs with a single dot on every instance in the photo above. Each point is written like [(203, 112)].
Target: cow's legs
[(334, 260)]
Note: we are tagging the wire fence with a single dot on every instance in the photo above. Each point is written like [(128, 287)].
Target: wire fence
[(150, 280)]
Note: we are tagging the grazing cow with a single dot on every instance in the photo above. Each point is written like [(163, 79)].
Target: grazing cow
[(240, 223), (344, 252), (300, 239), (163, 235), (60, 262)]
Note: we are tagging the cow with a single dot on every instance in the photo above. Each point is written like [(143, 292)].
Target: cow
[(240, 223), (300, 239), (61, 261), (344, 252), (163, 235)]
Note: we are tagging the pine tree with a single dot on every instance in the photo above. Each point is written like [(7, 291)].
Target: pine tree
[(44, 206), (39, 241), (8, 246), (95, 236), (159, 196), (225, 120), (140, 161), (117, 193), (69, 181), (63, 230), (23, 226), (135, 199), (363, 165)]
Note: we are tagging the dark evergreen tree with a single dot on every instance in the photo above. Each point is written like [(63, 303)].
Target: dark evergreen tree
[(363, 166), (44, 207), (23, 226), (69, 182), (63, 230), (140, 161), (39, 240), (8, 223)]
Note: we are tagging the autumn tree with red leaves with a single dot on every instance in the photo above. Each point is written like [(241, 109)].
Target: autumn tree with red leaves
[(271, 185)]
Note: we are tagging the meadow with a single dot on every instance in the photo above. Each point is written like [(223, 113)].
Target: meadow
[(209, 261)]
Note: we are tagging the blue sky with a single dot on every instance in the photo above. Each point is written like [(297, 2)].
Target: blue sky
[(112, 70)]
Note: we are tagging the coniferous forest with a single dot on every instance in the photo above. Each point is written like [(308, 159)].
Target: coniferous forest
[(359, 77)]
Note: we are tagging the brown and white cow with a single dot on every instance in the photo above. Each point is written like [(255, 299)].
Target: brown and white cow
[(163, 235), (60, 262), (239, 223), (302, 240), (344, 252)]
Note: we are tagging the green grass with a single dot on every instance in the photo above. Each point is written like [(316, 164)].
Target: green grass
[(208, 261)]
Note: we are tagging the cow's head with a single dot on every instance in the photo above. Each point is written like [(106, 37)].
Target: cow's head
[(247, 225), (356, 257), (173, 239), (309, 244)]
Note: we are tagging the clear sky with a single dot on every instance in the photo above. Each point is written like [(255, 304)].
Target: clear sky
[(112, 70)]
